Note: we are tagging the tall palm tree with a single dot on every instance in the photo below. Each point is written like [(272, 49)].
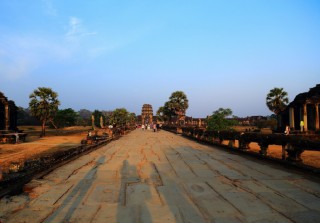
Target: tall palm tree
[(44, 105), (277, 100), (178, 104), (164, 113)]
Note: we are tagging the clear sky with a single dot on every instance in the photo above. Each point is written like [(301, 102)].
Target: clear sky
[(103, 54)]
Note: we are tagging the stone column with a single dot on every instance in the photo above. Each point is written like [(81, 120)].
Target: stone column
[(291, 117), (7, 117), (317, 116), (305, 119)]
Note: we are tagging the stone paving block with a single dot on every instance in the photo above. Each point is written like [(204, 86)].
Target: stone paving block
[(280, 185), (104, 175), (247, 203), (54, 195), (266, 218), (29, 215), (140, 193), (277, 172), (211, 204), (72, 213), (307, 185), (82, 214), (203, 171), (182, 170), (280, 202), (223, 185), (309, 216), (102, 193), (159, 214), (226, 171), (305, 198), (253, 186), (183, 208), (112, 213)]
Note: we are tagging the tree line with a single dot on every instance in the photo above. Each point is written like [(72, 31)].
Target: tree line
[(44, 109)]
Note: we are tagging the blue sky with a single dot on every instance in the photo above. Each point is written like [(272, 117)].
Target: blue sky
[(104, 54)]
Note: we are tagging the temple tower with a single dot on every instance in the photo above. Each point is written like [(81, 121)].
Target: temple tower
[(146, 114)]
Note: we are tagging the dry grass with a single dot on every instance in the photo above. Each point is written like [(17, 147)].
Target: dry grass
[(35, 146)]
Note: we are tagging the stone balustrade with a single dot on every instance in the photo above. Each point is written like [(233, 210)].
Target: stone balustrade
[(292, 145)]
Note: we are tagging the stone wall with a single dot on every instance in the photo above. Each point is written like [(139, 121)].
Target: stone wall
[(8, 113)]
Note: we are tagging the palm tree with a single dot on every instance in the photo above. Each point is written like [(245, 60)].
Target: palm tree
[(277, 100), (44, 105), (164, 114), (178, 104)]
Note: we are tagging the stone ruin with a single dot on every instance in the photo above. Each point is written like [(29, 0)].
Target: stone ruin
[(8, 114), (305, 107), (146, 114)]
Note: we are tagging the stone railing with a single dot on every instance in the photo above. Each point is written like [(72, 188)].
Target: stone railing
[(292, 145)]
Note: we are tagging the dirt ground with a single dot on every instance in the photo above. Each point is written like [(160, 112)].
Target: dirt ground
[(72, 136), (35, 146)]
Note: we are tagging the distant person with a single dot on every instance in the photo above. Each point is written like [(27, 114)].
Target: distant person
[(142, 127), (301, 126), (287, 131), (17, 137), (154, 127)]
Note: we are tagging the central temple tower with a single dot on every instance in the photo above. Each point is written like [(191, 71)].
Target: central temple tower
[(146, 114)]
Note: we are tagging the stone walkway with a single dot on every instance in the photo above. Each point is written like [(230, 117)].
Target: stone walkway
[(162, 177)]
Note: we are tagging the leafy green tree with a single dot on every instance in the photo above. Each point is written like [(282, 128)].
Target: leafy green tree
[(269, 123), (164, 113), (119, 117), (65, 117), (84, 117), (44, 105), (24, 117), (97, 114), (219, 120), (132, 118), (107, 115), (160, 114), (277, 100)]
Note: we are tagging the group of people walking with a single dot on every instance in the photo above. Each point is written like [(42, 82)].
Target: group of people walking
[(151, 126)]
